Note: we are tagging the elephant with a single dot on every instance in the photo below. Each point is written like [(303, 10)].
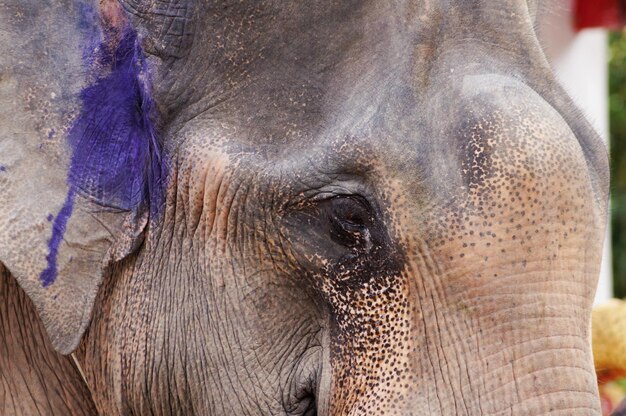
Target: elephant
[(269, 207)]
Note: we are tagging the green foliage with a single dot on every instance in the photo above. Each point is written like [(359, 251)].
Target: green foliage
[(617, 118)]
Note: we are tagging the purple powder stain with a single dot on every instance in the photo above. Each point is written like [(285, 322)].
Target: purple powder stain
[(48, 276), (116, 158), (3, 168), (50, 217)]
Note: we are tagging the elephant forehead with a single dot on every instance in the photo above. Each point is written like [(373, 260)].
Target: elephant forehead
[(498, 137), (511, 143), (506, 179), (518, 201)]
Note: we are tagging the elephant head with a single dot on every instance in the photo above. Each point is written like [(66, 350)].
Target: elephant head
[(322, 207)]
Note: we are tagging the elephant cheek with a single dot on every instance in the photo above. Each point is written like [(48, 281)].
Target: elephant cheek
[(371, 349), (434, 343)]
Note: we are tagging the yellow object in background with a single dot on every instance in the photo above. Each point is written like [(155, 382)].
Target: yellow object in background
[(608, 335)]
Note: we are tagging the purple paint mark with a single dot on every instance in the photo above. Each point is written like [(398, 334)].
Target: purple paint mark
[(87, 14), (48, 276), (116, 158), (3, 169), (86, 23), (50, 217)]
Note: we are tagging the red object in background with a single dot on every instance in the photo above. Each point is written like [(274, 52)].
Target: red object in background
[(608, 14)]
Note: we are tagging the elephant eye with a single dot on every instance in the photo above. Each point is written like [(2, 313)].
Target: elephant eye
[(350, 222), (341, 235)]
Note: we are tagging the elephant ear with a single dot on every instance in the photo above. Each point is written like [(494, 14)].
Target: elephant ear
[(80, 166)]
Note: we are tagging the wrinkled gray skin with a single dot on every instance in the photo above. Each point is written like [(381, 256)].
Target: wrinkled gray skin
[(373, 208)]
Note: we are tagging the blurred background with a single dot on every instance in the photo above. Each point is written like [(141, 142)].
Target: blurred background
[(617, 129)]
